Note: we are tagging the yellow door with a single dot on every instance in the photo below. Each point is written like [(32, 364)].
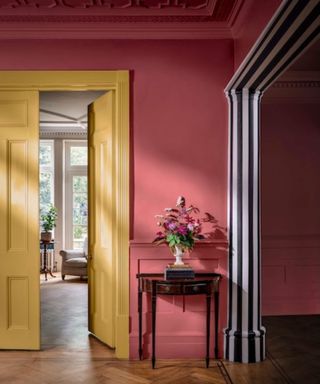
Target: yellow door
[(19, 235), (101, 219)]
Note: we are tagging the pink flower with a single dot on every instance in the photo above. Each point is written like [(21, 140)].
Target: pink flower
[(190, 227), (172, 226), (183, 230)]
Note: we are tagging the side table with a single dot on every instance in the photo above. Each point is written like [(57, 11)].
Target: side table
[(45, 268), (203, 284)]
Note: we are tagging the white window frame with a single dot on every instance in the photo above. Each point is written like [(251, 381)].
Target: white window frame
[(48, 168), (69, 172)]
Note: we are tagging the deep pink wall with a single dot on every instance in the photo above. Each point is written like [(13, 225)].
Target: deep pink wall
[(179, 113), (179, 146), (252, 20), (290, 207)]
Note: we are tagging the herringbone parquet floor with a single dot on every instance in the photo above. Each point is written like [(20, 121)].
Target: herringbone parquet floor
[(20, 370), (69, 356)]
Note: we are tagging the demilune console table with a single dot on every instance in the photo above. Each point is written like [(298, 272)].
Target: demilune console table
[(203, 284)]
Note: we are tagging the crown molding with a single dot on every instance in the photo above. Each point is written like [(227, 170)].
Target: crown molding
[(125, 30), (125, 19), (63, 135), (300, 76), (295, 87), (295, 91), (296, 84), (111, 7)]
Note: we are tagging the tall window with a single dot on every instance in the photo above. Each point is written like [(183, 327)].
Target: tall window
[(76, 193), (46, 162)]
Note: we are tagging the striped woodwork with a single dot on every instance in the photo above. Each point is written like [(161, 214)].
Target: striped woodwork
[(293, 28)]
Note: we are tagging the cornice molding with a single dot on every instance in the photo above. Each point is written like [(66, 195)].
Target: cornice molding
[(293, 92), (296, 84), (123, 30), (63, 135), (213, 10), (108, 6), (118, 19)]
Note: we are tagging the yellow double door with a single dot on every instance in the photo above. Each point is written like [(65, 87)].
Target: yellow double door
[(19, 220)]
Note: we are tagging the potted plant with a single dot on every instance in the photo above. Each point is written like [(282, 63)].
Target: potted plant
[(48, 222)]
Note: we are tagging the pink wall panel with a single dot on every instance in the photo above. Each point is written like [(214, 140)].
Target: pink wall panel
[(181, 327), (178, 146), (290, 213)]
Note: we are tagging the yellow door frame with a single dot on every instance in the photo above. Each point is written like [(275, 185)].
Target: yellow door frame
[(117, 82)]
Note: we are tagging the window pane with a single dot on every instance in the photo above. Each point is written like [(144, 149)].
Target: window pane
[(46, 191), (78, 156), (80, 184), (80, 210), (45, 154), (79, 232)]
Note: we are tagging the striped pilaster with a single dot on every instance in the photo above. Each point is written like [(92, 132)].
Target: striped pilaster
[(244, 335), (293, 28)]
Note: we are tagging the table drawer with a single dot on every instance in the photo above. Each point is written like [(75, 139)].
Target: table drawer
[(193, 289), (169, 289)]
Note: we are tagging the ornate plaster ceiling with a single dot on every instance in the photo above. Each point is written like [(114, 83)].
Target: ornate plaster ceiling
[(208, 18), (197, 10)]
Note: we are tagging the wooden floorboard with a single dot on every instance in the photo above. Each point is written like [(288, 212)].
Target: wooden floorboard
[(69, 355)]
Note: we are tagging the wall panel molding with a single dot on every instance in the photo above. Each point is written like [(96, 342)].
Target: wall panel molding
[(291, 241), (17, 195), (18, 302), (286, 291)]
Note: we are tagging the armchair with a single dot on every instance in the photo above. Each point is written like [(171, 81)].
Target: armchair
[(74, 262)]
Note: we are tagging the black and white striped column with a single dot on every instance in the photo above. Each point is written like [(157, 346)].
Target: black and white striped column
[(244, 335), (294, 27)]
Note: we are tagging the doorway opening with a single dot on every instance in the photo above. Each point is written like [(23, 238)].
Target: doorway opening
[(63, 187), (19, 173)]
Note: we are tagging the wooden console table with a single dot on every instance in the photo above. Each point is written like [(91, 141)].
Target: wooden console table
[(203, 284)]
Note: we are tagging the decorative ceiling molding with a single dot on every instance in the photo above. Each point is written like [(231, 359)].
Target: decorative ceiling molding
[(104, 4), (296, 84), (217, 10), (100, 31), (66, 134), (300, 76), (293, 92), (123, 19)]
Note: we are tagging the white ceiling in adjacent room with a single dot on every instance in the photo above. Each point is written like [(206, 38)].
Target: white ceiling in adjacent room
[(65, 111)]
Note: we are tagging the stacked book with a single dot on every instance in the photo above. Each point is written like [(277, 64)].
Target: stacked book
[(174, 271)]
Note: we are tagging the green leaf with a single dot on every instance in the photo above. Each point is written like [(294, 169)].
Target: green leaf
[(172, 243)]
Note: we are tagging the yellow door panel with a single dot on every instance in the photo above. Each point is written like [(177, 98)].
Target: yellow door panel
[(101, 219), (19, 235)]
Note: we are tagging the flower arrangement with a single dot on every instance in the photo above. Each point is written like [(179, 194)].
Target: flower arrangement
[(180, 227)]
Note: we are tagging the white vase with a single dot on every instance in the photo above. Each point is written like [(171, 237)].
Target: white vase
[(178, 253)]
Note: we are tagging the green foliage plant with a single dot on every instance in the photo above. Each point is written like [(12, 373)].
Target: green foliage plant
[(48, 220)]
